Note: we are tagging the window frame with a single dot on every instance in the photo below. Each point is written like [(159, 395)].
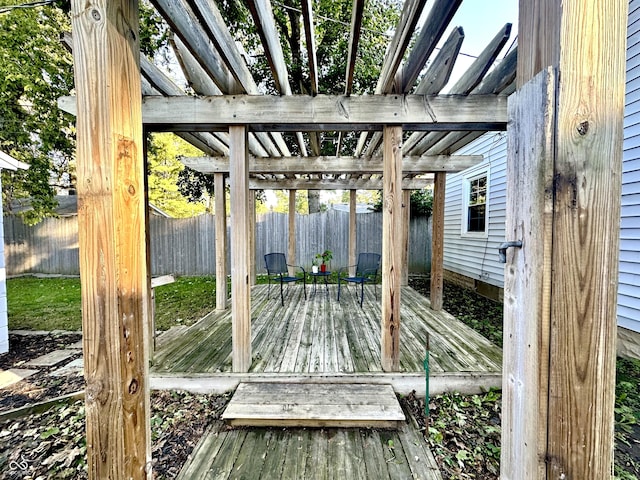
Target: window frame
[(467, 179)]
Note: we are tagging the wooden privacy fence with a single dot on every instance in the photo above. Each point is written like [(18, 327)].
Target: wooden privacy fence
[(186, 246)]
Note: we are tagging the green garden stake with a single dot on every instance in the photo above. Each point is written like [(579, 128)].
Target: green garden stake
[(426, 378)]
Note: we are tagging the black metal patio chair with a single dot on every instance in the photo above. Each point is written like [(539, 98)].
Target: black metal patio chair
[(278, 270), (366, 271)]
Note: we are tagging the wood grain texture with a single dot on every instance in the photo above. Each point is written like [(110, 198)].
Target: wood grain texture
[(406, 218), (303, 345), (527, 290), (253, 268), (585, 41), (588, 164), (391, 248), (291, 216), (240, 263), (335, 165), (353, 232), (314, 454), (112, 236), (538, 37), (437, 242), (336, 183), (325, 112), (220, 241), (313, 405)]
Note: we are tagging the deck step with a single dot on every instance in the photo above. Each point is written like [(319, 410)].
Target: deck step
[(314, 405)]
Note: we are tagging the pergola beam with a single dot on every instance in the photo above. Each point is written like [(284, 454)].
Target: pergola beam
[(324, 112), (335, 183), (334, 165)]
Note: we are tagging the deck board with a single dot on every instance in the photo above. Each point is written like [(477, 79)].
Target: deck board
[(314, 454), (314, 405), (320, 335)]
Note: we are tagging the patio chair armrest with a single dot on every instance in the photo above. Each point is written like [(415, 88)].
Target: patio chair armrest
[(371, 271), (342, 270), (298, 266)]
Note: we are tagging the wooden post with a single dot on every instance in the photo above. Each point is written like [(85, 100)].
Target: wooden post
[(437, 241), (291, 255), (353, 231), (112, 238), (252, 237), (221, 241), (406, 219), (565, 147), (240, 244), (391, 248)]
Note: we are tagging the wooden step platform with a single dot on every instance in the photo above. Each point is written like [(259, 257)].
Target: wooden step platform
[(314, 405)]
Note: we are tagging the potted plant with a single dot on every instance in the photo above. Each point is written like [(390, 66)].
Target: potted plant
[(314, 266), (324, 258)]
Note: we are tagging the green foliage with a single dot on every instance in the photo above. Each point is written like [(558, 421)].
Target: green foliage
[(163, 173), (282, 202), (421, 203), (35, 69), (627, 415), (324, 257)]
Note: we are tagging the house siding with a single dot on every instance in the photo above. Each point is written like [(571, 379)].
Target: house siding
[(476, 258), (471, 256), (629, 277)]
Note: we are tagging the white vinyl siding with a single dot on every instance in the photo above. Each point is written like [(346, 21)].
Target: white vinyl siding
[(629, 279), (476, 256)]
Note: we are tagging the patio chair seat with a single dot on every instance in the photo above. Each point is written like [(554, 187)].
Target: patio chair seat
[(278, 270), (366, 271)]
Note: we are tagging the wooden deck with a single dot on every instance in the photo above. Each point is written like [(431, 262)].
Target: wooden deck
[(314, 405), (326, 454), (324, 338)]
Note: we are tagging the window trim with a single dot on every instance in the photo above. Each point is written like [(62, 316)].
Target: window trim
[(466, 188)]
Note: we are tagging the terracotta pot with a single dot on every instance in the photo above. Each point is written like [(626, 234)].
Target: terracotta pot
[(323, 268)]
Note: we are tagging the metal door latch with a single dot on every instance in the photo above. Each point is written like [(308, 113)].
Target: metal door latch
[(502, 249)]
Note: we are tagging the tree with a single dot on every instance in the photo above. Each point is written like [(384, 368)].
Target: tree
[(282, 202), (35, 69), (163, 169), (421, 203), (332, 28)]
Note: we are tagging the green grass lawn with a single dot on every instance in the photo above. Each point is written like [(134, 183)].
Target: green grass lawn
[(54, 303)]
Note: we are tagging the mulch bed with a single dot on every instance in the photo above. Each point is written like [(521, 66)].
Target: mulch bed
[(52, 444)]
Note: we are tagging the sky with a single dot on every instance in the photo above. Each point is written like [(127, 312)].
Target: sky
[(481, 20)]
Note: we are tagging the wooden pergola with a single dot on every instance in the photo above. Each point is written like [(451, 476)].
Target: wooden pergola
[(565, 130)]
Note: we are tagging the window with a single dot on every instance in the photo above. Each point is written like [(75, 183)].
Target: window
[(475, 204)]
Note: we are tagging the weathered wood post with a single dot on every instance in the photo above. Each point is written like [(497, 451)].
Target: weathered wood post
[(353, 231), (221, 241), (391, 248), (291, 254), (112, 225), (240, 246), (564, 172), (437, 241), (406, 222)]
